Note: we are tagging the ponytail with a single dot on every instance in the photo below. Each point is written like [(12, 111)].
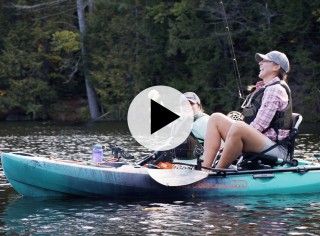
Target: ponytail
[(282, 75)]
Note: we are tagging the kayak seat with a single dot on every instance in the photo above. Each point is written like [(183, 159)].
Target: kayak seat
[(252, 160)]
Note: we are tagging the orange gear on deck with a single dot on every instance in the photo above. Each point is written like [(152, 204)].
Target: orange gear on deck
[(165, 165)]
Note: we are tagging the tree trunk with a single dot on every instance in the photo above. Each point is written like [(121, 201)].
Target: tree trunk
[(92, 99)]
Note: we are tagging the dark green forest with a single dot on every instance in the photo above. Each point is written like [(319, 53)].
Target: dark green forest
[(79, 59)]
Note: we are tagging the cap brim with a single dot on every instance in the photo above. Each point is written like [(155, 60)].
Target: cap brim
[(259, 57), (191, 100)]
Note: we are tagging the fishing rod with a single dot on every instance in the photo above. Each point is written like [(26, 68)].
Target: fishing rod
[(232, 52)]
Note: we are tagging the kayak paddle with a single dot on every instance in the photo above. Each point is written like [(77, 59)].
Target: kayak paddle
[(176, 177)]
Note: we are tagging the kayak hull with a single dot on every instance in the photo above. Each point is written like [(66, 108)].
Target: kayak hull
[(34, 176)]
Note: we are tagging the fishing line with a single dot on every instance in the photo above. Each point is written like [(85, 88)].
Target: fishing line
[(232, 52)]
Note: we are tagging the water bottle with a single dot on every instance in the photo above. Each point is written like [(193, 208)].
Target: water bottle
[(97, 153)]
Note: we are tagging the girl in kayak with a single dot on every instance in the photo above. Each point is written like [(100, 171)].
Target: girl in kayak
[(185, 152), (200, 119), (267, 117)]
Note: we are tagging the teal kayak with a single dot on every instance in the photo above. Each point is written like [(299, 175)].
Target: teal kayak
[(34, 176)]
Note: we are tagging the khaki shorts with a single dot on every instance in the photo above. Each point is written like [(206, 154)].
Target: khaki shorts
[(278, 151)]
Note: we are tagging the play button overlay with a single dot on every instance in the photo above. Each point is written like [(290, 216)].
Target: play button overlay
[(160, 118)]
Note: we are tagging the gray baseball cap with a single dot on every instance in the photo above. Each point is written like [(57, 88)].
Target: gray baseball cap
[(192, 97), (276, 57)]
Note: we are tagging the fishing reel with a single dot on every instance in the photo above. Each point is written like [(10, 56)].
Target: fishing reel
[(197, 152), (235, 115)]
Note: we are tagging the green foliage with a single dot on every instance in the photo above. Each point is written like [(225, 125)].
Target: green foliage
[(64, 58), (38, 47), (30, 96), (19, 58), (65, 41), (132, 45)]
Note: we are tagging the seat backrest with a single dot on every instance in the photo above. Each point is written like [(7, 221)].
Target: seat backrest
[(296, 121)]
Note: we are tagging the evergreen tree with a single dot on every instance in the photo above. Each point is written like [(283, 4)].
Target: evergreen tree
[(132, 45)]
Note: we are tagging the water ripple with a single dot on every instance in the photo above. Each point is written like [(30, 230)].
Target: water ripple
[(270, 215)]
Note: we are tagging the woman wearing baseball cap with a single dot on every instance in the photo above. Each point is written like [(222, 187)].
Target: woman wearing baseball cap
[(200, 120), (267, 117), (185, 151)]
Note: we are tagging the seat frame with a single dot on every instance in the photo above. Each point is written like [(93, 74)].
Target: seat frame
[(261, 161)]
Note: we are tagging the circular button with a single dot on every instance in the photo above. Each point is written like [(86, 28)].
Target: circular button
[(160, 118)]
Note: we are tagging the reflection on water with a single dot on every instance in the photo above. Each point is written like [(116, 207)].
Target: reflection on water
[(268, 215), (272, 215), (63, 141)]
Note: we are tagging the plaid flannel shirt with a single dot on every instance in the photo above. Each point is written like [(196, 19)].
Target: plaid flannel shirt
[(275, 98)]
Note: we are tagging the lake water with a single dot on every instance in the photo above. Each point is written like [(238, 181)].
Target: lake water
[(267, 215)]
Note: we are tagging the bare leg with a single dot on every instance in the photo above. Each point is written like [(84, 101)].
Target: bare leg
[(241, 137), (217, 129)]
